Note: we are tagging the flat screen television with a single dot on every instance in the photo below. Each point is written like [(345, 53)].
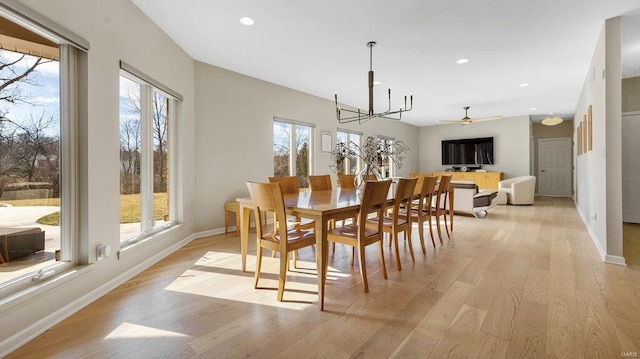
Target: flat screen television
[(469, 151)]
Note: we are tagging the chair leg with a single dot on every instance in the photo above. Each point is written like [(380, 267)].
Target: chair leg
[(258, 264), (363, 266), (382, 264), (284, 258), (446, 226), (408, 239), (438, 226), (353, 254), (226, 222), (333, 247), (431, 231), (237, 215), (295, 259), (395, 242), (421, 235)]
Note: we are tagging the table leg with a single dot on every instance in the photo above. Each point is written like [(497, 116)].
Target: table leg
[(321, 229), (451, 208), (244, 214)]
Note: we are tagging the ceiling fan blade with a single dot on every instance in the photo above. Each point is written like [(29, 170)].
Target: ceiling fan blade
[(450, 121), (486, 118)]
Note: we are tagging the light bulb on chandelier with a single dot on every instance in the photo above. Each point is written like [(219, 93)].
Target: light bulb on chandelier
[(363, 117)]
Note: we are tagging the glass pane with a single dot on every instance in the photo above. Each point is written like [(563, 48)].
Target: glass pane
[(130, 158), (281, 141), (341, 165), (160, 159), (354, 165), (29, 163), (303, 134)]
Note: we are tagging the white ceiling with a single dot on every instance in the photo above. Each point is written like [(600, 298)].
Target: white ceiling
[(319, 48)]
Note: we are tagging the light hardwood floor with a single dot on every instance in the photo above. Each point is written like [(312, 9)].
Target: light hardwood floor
[(523, 282)]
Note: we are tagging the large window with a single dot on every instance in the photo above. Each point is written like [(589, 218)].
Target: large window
[(147, 116), (39, 106), (292, 149), (387, 167), (350, 164)]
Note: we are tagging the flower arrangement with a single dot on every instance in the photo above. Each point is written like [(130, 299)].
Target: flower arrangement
[(373, 154)]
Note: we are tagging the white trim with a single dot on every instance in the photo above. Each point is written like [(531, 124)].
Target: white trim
[(293, 122), (27, 334), (141, 76), (32, 20), (607, 258), (617, 260)]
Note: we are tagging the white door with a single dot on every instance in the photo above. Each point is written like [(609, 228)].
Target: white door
[(554, 167), (631, 168)]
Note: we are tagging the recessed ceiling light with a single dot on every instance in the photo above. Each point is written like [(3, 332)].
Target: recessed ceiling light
[(246, 21), (462, 61), (524, 85), (533, 109), (376, 82)]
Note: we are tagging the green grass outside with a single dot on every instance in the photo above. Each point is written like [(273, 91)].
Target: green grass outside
[(129, 208)]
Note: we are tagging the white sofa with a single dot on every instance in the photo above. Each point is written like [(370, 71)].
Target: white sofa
[(519, 190), (467, 198)]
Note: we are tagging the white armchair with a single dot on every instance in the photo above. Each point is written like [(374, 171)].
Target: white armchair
[(520, 190)]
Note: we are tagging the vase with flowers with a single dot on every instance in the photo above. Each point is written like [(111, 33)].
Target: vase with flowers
[(373, 154)]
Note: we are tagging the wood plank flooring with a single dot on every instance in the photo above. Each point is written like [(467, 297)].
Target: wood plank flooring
[(525, 282)]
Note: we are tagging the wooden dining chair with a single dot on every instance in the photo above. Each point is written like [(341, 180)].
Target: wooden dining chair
[(358, 234), (268, 197), (439, 204), (320, 182), (347, 180), (393, 222), (420, 209)]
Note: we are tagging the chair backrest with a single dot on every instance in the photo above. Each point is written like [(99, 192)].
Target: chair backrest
[(347, 180), (421, 177), (404, 194), (443, 191), (287, 184), (373, 199), (320, 183), (267, 197)]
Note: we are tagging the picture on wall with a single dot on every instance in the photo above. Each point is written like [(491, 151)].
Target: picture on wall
[(584, 133), (579, 138), (590, 125)]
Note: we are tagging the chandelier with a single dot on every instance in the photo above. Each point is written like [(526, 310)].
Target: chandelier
[(361, 116)]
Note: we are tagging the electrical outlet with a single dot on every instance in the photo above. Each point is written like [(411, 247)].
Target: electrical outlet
[(103, 251)]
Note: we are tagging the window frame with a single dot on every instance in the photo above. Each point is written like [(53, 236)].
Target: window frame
[(390, 164), (346, 166), (293, 145), (148, 86), (72, 97)]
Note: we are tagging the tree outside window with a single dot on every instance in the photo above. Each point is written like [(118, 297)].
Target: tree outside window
[(288, 136)]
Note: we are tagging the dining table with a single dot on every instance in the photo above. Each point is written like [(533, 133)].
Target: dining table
[(319, 206)]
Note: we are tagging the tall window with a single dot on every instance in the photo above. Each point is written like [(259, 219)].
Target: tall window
[(387, 167), (351, 164), (39, 102), (146, 116), (292, 148)]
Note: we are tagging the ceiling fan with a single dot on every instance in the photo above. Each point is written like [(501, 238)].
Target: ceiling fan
[(466, 120)]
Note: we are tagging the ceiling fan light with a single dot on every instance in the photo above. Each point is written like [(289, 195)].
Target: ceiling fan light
[(552, 121)]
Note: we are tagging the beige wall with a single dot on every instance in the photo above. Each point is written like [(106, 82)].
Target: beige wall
[(540, 131), (511, 144), (631, 94), (116, 30), (234, 135), (598, 172)]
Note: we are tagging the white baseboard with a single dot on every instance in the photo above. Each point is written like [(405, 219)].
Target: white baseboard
[(31, 332), (615, 260), (607, 258)]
